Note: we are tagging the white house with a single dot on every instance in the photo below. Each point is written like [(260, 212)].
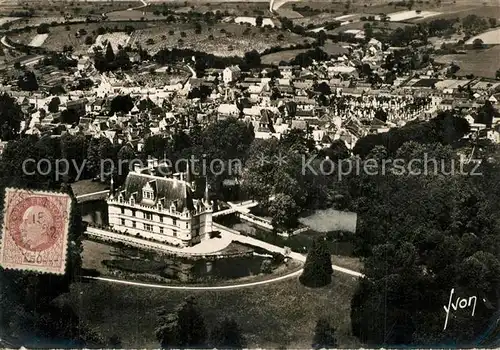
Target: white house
[(231, 74), (158, 205)]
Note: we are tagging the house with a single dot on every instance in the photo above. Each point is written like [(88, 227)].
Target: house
[(78, 106), (226, 109), (231, 74), (156, 204)]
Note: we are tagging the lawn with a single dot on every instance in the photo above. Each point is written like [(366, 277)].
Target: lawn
[(481, 63), (113, 260), (283, 313)]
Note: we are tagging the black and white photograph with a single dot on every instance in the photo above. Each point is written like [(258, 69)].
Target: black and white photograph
[(262, 174)]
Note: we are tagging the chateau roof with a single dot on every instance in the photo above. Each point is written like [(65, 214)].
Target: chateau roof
[(168, 190)]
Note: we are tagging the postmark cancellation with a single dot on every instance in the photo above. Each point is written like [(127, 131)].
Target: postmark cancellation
[(35, 231)]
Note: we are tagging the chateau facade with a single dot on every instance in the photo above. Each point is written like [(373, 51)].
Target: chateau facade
[(160, 207)]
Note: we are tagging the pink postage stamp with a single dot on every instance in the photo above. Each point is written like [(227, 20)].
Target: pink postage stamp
[(35, 231)]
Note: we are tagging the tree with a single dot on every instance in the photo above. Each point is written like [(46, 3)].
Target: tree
[(43, 28), (284, 212), (122, 60), (11, 116), (89, 40), (121, 103), (336, 151), (110, 55), (98, 150), (69, 116), (227, 335), (185, 327), (27, 81), (258, 21), (324, 335), (53, 106), (318, 266), (478, 44), (252, 58)]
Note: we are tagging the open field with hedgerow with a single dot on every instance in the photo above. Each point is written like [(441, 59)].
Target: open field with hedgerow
[(64, 35), (482, 63), (278, 314), (48, 8), (221, 39)]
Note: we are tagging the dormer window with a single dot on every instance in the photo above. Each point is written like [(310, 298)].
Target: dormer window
[(148, 192), (132, 199), (148, 195), (120, 198)]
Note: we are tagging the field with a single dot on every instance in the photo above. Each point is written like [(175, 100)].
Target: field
[(59, 36), (252, 21), (482, 63), (491, 37), (276, 57), (221, 39), (277, 314), (38, 40), (45, 8)]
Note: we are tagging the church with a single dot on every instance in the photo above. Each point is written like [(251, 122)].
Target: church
[(156, 204)]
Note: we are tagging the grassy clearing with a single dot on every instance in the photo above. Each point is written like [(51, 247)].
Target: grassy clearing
[(277, 57), (278, 314), (481, 63)]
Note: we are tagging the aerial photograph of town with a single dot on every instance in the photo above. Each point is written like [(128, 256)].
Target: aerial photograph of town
[(263, 174)]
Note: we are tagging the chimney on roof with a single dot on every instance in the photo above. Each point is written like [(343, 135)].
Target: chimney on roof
[(152, 163)]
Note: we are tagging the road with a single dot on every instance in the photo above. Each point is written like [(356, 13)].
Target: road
[(163, 286), (5, 43)]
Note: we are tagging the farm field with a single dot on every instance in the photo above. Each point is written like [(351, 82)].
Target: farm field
[(58, 36), (491, 37), (283, 313), (4, 20), (482, 63), (222, 39), (252, 21), (38, 40), (408, 15), (276, 57)]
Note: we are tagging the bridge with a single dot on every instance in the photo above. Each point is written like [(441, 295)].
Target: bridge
[(243, 207)]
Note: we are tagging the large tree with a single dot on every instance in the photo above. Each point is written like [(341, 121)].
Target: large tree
[(27, 81), (185, 327), (11, 116), (318, 267), (284, 212)]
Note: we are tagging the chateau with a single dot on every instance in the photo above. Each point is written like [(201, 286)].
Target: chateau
[(156, 204)]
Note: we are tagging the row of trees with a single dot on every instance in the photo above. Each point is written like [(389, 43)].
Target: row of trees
[(109, 61), (446, 128), (423, 235)]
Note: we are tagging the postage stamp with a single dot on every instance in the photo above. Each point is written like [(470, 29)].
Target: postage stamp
[(35, 231)]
